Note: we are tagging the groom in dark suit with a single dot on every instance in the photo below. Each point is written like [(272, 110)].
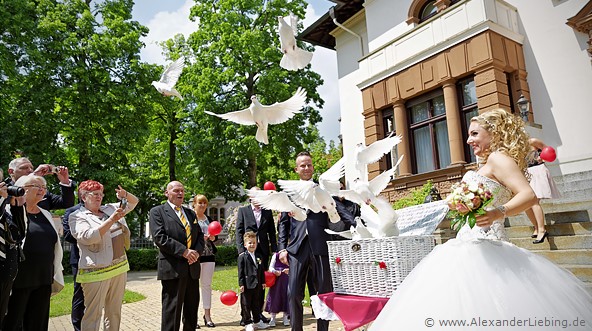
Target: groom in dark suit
[(304, 245), (259, 220), (180, 241)]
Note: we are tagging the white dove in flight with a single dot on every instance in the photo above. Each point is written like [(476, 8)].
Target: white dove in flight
[(168, 79), (294, 58), (317, 197), (366, 192), (372, 153), (262, 115), (279, 201)]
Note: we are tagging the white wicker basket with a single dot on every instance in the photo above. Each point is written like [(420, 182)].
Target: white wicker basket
[(355, 264)]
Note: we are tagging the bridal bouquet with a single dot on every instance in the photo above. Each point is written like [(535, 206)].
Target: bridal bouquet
[(466, 201)]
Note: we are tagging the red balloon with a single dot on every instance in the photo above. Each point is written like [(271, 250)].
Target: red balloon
[(548, 154), (214, 228), (269, 279), (229, 298), (269, 186)]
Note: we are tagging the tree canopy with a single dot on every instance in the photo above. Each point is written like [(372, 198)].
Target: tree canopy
[(74, 92)]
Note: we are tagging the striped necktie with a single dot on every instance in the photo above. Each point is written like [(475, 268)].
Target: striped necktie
[(186, 225)]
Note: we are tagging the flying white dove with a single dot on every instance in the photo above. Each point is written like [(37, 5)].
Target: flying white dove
[(294, 58), (370, 154), (279, 201), (366, 192), (262, 115), (317, 197), (168, 79), (382, 223)]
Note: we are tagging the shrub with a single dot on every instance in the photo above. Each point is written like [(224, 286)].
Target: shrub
[(415, 197), (147, 258), (226, 255), (143, 259)]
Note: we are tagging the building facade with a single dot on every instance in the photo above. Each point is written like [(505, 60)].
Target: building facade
[(423, 68)]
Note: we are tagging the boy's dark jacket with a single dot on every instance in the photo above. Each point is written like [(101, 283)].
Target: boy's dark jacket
[(250, 275)]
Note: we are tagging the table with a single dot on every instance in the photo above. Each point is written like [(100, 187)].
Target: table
[(353, 311)]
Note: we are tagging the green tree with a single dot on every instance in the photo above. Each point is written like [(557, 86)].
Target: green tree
[(74, 89), (235, 54)]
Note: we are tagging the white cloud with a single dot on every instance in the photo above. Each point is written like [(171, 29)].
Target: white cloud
[(324, 62), (163, 26)]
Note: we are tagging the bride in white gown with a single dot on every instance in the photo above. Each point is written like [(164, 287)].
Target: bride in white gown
[(479, 279)]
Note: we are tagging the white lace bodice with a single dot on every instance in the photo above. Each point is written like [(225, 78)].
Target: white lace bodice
[(501, 195)]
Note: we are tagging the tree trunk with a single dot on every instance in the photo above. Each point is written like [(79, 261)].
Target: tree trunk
[(252, 168), (172, 146)]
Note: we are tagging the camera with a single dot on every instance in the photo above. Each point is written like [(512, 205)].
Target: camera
[(15, 191), (123, 203), (53, 169)]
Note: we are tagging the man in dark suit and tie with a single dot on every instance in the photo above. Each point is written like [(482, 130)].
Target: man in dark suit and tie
[(259, 220), (180, 241), (303, 245)]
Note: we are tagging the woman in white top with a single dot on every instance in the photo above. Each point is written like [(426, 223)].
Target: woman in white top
[(207, 259)]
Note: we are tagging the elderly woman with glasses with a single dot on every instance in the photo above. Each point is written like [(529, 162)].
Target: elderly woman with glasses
[(40, 272), (103, 236)]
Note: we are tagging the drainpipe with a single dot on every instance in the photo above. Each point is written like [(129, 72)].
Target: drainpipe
[(332, 14)]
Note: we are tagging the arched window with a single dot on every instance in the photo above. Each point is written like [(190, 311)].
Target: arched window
[(428, 10), (422, 10)]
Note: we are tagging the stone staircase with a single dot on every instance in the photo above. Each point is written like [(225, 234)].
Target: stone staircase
[(568, 221)]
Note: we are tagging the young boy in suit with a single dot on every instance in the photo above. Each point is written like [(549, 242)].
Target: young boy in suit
[(252, 284)]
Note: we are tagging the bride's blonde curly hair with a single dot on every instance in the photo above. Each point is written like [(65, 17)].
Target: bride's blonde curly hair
[(508, 135)]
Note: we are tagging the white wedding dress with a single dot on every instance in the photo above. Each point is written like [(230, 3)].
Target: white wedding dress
[(485, 282)]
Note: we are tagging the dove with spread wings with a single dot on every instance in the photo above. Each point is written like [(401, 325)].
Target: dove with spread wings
[(262, 115), (294, 58), (366, 192), (317, 197), (279, 201), (369, 154), (168, 79)]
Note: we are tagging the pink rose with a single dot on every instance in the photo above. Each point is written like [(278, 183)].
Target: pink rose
[(476, 202), (462, 208)]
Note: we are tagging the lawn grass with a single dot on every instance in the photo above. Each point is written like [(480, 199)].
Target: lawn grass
[(61, 303), (226, 278)]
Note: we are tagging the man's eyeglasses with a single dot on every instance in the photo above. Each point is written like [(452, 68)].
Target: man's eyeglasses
[(96, 194), (37, 186)]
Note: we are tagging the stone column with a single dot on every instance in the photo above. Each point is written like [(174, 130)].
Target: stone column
[(453, 122), (400, 116)]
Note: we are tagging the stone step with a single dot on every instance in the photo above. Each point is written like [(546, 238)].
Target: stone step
[(583, 272), (575, 177), (566, 187), (556, 214), (558, 229), (568, 257), (556, 243)]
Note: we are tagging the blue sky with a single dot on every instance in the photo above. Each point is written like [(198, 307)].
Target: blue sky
[(168, 18)]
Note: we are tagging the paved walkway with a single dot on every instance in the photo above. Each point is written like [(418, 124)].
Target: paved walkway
[(145, 315)]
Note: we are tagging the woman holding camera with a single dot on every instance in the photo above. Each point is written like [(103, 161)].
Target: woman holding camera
[(40, 273), (103, 237)]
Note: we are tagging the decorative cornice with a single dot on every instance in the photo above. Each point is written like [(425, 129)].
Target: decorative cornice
[(582, 22)]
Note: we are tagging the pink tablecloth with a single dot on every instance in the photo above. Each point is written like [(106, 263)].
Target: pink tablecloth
[(353, 311)]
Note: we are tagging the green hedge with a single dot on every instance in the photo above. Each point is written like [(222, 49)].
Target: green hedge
[(147, 259), (226, 255)]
